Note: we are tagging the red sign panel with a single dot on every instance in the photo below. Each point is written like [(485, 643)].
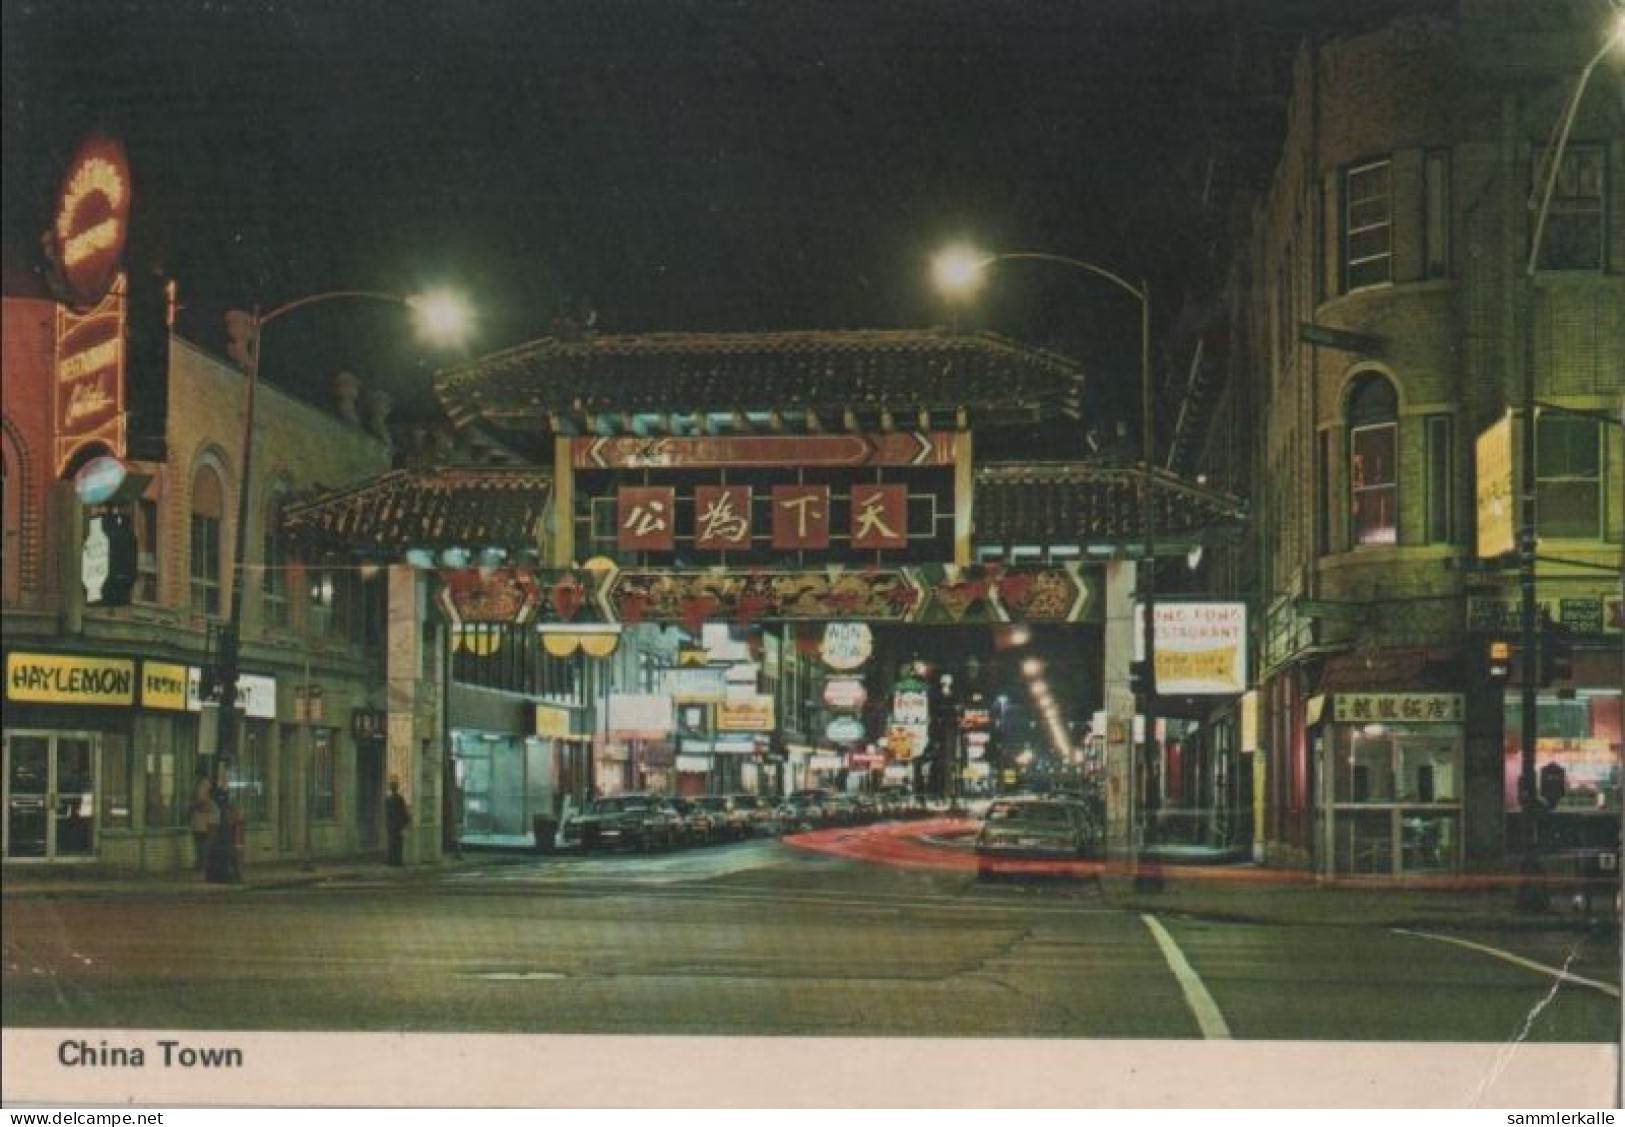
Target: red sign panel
[(800, 516), (505, 595), (880, 516), (89, 379), (92, 220), (721, 517), (645, 519), (898, 448)]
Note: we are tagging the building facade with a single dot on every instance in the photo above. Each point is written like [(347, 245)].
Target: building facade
[(106, 713), (1381, 323)]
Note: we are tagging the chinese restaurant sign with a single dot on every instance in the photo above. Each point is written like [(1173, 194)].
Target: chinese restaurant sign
[(1492, 454), (1415, 708)]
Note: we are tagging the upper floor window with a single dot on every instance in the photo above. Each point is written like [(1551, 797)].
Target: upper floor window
[(146, 546), (1436, 214), (1373, 433), (1573, 239), (1568, 476), (1368, 218), (274, 570), (208, 506)]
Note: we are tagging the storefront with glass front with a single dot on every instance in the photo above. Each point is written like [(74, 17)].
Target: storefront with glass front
[(1578, 752), (1390, 769)]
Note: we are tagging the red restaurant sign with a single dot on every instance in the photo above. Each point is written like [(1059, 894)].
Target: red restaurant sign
[(88, 384), (92, 220)]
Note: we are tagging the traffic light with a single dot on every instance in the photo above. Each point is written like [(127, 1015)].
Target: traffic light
[(1556, 654), (1498, 656), (1141, 679)]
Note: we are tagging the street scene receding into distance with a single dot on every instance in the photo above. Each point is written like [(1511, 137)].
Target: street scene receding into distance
[(900, 519)]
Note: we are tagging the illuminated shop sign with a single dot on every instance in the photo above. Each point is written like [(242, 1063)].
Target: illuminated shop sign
[(1201, 647), (88, 383), (900, 448), (163, 686), (69, 679), (256, 694), (92, 220)]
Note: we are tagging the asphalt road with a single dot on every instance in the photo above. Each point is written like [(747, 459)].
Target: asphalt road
[(765, 938)]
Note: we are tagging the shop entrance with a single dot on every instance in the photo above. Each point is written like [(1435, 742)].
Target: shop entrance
[(50, 783)]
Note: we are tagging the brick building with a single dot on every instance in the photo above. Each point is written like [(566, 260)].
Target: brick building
[(104, 715), (1379, 321)]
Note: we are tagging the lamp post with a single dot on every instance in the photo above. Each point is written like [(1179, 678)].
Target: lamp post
[(441, 317), (1530, 896), (958, 272)]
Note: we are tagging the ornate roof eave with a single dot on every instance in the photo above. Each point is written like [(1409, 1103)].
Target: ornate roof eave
[(430, 508), (873, 380)]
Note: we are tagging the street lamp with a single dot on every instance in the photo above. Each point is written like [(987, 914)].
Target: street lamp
[(1530, 896), (442, 318), (959, 272)]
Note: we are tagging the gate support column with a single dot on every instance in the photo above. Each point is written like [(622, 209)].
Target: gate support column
[(1119, 608)]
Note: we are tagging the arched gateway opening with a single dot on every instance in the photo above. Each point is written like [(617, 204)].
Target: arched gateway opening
[(769, 563)]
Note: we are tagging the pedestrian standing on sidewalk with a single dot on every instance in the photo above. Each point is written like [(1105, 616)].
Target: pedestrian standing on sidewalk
[(204, 818), (396, 818)]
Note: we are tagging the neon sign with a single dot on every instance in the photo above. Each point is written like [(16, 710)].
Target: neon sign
[(92, 220)]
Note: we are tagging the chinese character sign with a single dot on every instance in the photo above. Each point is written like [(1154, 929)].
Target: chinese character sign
[(800, 516), (880, 516), (722, 517), (645, 519)]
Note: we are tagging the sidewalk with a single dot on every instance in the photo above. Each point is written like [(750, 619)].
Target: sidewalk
[(21, 882)]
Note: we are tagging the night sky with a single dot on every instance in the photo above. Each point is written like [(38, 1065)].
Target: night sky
[(676, 164)]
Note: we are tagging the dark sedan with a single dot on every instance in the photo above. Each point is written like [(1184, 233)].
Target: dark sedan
[(626, 821)]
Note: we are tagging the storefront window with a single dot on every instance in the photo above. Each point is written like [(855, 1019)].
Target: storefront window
[(117, 793), (1582, 738), (247, 779), (323, 776), (1365, 843), (166, 748), (1396, 792), (1427, 841)]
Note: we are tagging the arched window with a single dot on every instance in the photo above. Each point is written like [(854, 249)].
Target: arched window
[(208, 507), (1373, 444)]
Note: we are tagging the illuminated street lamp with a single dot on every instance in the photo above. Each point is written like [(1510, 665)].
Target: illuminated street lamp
[(1530, 895), (958, 273), (442, 319)]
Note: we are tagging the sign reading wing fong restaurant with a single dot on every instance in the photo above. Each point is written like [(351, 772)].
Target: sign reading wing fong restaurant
[(1201, 647)]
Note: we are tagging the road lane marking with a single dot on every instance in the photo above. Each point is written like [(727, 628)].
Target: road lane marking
[(1208, 1018), (1517, 960)]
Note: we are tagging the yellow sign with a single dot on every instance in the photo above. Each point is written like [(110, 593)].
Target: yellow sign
[(66, 679), (1493, 490), (752, 714), (552, 722), (163, 685), (1218, 665)]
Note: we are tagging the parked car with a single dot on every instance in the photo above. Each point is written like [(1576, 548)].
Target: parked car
[(757, 811), (625, 821), (896, 801), (806, 809), (842, 810), (729, 819), (1039, 828), (700, 825), (867, 806)]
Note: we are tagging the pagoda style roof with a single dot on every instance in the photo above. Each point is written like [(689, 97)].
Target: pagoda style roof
[(688, 383), (431, 508), (1092, 506)]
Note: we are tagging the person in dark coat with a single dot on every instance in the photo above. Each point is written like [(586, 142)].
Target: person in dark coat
[(396, 818)]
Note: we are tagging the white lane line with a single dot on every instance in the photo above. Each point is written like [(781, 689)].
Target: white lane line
[(1208, 1018), (1516, 960)]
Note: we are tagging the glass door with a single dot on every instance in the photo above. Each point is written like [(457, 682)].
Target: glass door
[(50, 795), (28, 790)]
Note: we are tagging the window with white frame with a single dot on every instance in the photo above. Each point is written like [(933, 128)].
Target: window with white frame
[(1368, 222), (1568, 476), (1373, 444)]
